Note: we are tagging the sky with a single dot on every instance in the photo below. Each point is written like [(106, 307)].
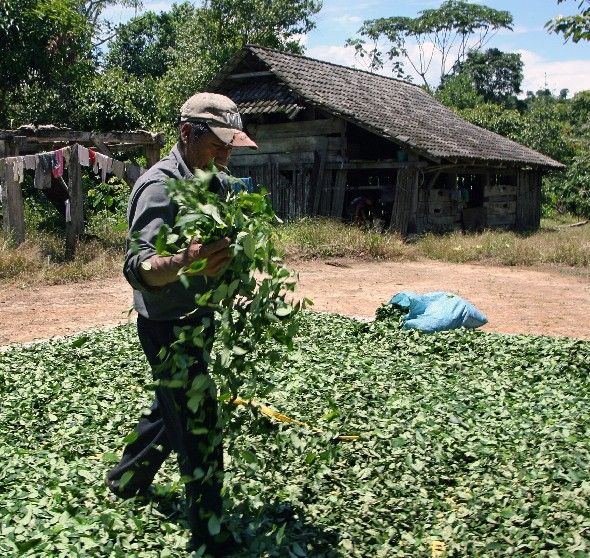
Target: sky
[(548, 61)]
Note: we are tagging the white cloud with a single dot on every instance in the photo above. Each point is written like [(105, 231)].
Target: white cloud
[(555, 75), (347, 18), (300, 38), (538, 72), (342, 55), (517, 30), (121, 14)]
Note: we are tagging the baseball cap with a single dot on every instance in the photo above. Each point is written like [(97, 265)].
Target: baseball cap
[(221, 114)]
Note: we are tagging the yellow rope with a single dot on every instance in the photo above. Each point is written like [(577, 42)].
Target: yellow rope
[(272, 413)]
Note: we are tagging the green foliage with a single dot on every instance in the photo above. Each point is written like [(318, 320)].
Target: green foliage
[(494, 74), (473, 439), (579, 114), (116, 100), (574, 27), (209, 36), (545, 130), (457, 92), (142, 46), (110, 197), (45, 51), (246, 307), (574, 189), (456, 24), (506, 122)]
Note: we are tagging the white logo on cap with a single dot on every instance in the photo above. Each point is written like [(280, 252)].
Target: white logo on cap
[(234, 120)]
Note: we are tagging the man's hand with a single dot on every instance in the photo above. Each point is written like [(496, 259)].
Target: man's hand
[(217, 254), (161, 270)]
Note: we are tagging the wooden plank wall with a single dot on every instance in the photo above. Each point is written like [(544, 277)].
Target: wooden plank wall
[(407, 183), (291, 163), (500, 204), (528, 200), (439, 209)]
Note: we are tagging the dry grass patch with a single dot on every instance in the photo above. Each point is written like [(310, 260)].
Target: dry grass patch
[(556, 242), (550, 245), (41, 261), (319, 238)]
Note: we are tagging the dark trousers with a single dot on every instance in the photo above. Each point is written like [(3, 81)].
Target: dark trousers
[(166, 428)]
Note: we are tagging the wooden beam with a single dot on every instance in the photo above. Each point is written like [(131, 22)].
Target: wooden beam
[(338, 195), (305, 128), (65, 135), (249, 75), (404, 191), (152, 155), (13, 207), (383, 164), (254, 159), (102, 148), (75, 212), (317, 179)]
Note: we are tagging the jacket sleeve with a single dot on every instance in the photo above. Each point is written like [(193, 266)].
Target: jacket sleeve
[(149, 209)]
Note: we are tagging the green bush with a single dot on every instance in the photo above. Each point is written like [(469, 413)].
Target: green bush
[(117, 101), (576, 186)]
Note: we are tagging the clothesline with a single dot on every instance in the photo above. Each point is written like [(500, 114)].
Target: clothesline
[(51, 164)]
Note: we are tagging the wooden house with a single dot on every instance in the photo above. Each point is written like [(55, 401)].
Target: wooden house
[(328, 134)]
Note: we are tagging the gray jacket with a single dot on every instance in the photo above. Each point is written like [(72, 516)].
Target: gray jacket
[(149, 208)]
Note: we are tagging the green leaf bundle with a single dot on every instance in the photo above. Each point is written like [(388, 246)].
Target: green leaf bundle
[(249, 298)]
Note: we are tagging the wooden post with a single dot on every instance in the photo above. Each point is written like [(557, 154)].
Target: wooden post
[(528, 200), (75, 213), (412, 227), (13, 206), (317, 178), (152, 154), (404, 192), (339, 191)]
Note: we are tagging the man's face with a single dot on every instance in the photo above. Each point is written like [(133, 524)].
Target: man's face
[(204, 149)]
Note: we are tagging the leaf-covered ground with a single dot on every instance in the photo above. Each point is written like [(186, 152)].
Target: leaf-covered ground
[(475, 440)]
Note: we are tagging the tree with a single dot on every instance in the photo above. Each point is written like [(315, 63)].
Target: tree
[(574, 27), (213, 33), (45, 49), (457, 92), (452, 30), (142, 46), (116, 100), (494, 74), (92, 10)]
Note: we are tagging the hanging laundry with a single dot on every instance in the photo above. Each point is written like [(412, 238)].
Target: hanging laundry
[(43, 171), (118, 168), (30, 162), (132, 173), (8, 174), (57, 163), (83, 156), (92, 160), (107, 168), (66, 153), (68, 211), (19, 169), (105, 164)]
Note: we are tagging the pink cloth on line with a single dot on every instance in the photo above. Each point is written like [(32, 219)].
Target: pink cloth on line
[(58, 164)]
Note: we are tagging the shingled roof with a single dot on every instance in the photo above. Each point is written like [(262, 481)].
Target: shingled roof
[(391, 108)]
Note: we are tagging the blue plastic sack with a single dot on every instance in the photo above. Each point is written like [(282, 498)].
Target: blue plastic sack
[(437, 311)]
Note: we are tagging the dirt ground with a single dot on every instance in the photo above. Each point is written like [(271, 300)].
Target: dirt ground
[(541, 301)]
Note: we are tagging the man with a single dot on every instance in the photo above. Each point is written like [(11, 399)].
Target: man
[(210, 126), (360, 208)]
